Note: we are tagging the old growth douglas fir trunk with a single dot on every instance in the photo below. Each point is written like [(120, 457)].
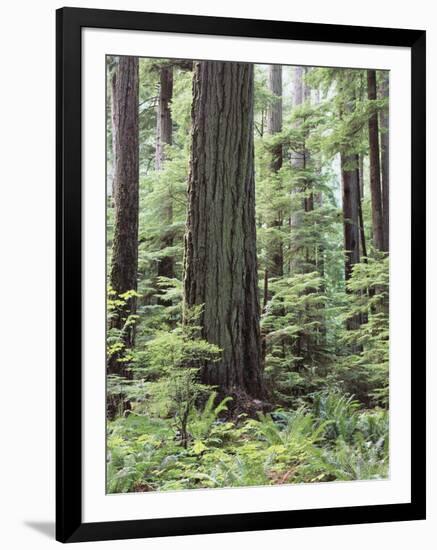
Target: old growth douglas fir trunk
[(220, 242)]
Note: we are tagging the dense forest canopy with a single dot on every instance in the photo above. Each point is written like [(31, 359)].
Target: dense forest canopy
[(248, 274)]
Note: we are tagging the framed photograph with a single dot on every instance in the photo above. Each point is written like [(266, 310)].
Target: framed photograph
[(240, 274)]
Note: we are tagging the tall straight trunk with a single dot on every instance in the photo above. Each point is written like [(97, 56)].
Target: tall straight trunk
[(351, 219), (304, 258), (274, 245), (124, 264), (363, 318), (318, 203), (164, 133), (274, 113), (385, 150), (309, 200), (275, 259), (164, 137), (220, 242), (360, 177), (298, 163), (350, 200), (361, 174), (375, 175), (298, 99)]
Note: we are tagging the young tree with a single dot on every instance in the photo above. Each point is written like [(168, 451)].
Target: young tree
[(124, 263), (220, 241), (375, 175)]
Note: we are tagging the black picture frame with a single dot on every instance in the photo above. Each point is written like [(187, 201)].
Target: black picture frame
[(69, 525)]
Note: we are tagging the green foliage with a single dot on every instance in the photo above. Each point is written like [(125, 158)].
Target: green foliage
[(339, 411), (203, 419), (171, 363), (282, 447), (118, 309), (365, 370), (292, 322)]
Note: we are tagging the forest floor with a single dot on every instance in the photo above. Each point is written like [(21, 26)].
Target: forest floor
[(333, 440)]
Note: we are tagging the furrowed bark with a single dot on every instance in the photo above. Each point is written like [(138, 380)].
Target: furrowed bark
[(124, 264), (220, 242)]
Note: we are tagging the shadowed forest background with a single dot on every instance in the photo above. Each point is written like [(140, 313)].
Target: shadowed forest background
[(247, 274)]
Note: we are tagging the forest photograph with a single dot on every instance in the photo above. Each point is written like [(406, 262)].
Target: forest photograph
[(247, 288)]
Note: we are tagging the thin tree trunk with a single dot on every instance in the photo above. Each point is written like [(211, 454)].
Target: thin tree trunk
[(360, 207), (350, 195), (164, 137), (164, 131), (124, 264), (274, 245), (274, 113), (298, 98), (298, 163), (275, 257), (264, 309), (220, 242), (351, 223), (363, 318), (361, 173), (385, 150), (304, 259), (375, 175)]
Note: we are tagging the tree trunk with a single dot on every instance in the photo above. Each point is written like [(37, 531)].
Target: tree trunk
[(274, 113), (298, 92), (350, 198), (164, 131), (298, 163), (360, 177), (275, 259), (220, 242), (301, 161), (164, 136), (361, 174), (124, 264), (298, 160), (384, 124), (351, 221), (375, 176)]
